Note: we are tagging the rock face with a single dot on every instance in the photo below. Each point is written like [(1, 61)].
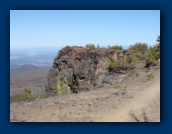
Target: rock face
[(77, 68)]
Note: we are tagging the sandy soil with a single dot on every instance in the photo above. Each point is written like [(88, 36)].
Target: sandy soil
[(135, 99)]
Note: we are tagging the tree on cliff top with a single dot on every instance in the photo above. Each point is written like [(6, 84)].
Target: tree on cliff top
[(139, 47), (90, 46), (158, 39), (118, 47), (155, 50)]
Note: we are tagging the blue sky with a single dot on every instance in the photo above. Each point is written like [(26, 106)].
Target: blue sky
[(58, 28)]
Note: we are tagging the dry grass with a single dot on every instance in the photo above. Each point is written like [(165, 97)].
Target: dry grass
[(18, 98)]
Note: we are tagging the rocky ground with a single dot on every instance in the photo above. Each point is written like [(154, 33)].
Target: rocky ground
[(135, 97), (34, 79)]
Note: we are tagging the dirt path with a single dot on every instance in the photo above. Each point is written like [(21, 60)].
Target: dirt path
[(138, 105)]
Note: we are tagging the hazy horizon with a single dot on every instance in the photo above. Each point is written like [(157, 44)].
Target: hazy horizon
[(40, 57)]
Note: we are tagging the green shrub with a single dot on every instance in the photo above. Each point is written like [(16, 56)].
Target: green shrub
[(62, 85), (120, 64), (155, 51), (59, 85), (158, 39), (151, 61), (134, 56), (90, 46), (142, 56), (127, 62), (153, 54), (131, 58), (118, 47), (139, 47), (117, 63), (28, 94)]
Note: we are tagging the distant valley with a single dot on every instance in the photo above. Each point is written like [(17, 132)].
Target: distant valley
[(41, 58)]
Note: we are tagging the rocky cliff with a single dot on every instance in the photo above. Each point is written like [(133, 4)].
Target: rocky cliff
[(78, 68)]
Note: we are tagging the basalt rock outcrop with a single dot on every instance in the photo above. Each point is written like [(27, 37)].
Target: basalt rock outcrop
[(77, 68)]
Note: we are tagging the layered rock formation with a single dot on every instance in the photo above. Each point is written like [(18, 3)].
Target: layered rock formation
[(77, 68)]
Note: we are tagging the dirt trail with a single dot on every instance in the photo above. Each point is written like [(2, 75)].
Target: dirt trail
[(139, 104)]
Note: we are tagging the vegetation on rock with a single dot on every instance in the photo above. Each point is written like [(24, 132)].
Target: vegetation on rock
[(90, 46), (62, 85), (59, 86), (118, 47), (139, 47), (153, 54)]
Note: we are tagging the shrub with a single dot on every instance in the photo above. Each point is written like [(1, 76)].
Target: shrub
[(28, 94), (118, 47), (151, 61), (158, 39), (133, 55), (132, 58), (155, 51), (153, 56), (139, 47), (90, 46), (62, 85), (59, 84), (119, 65)]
